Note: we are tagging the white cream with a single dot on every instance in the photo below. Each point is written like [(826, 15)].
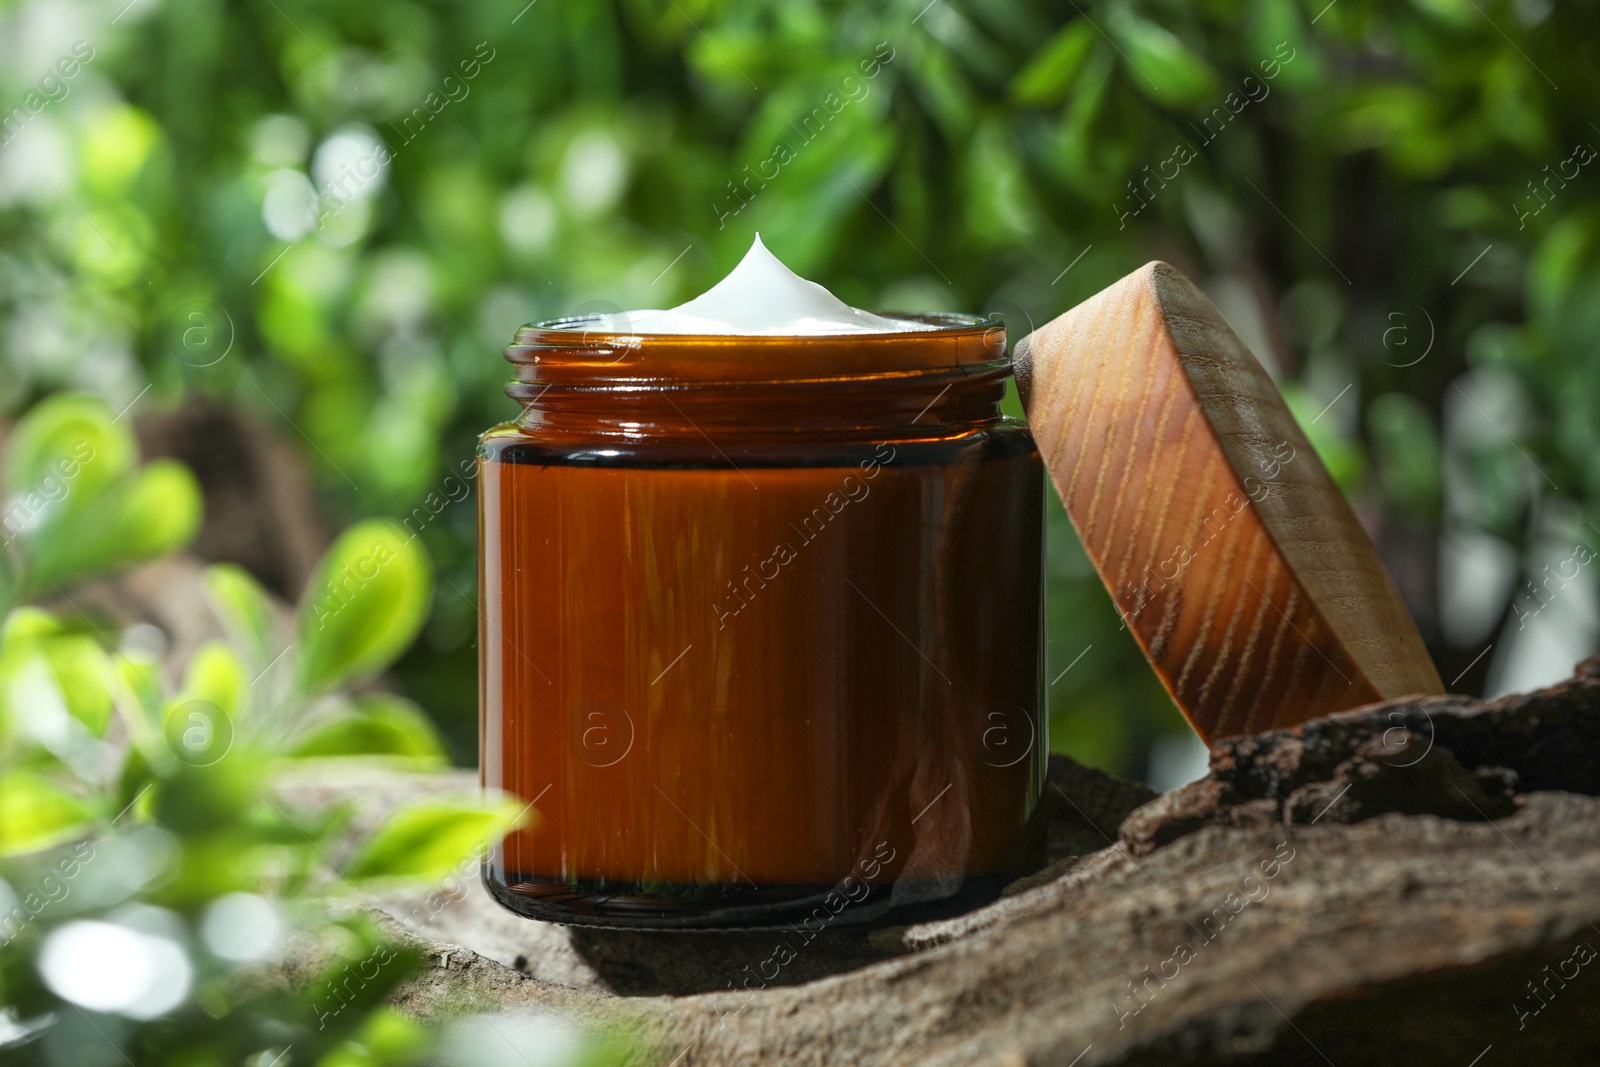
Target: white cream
[(761, 296)]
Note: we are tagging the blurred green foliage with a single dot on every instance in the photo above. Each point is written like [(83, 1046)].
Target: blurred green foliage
[(150, 873), (77, 504), (1382, 195)]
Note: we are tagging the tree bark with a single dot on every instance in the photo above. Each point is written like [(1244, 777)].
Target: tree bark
[(1416, 881)]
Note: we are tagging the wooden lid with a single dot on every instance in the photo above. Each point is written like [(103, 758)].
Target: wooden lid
[(1231, 554)]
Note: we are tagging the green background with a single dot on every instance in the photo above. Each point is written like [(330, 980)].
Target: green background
[(1373, 199)]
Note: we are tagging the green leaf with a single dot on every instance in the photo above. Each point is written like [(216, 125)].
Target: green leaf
[(133, 777), (1282, 46), (26, 624), (212, 799), (391, 1037), (431, 838), (148, 514), (728, 57), (36, 813), (945, 94), (1000, 201), (386, 726), (161, 513), (67, 451), (363, 606), (215, 674), (199, 723), (81, 672), (1563, 260), (198, 731), (1048, 75), (36, 650), (244, 607), (1163, 67), (140, 676), (138, 685)]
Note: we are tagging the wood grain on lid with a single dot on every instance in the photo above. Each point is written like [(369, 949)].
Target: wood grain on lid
[(1231, 553)]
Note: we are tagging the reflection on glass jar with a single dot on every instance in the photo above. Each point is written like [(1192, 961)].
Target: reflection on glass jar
[(762, 627)]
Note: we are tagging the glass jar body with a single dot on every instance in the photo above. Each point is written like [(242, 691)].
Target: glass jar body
[(748, 678)]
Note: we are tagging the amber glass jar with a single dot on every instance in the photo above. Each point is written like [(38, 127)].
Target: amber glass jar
[(762, 627)]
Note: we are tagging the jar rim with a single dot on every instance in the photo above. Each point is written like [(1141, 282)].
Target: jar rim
[(567, 351), (949, 323)]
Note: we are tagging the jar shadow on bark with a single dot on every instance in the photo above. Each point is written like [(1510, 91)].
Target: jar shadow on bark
[(679, 963), (1084, 808)]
